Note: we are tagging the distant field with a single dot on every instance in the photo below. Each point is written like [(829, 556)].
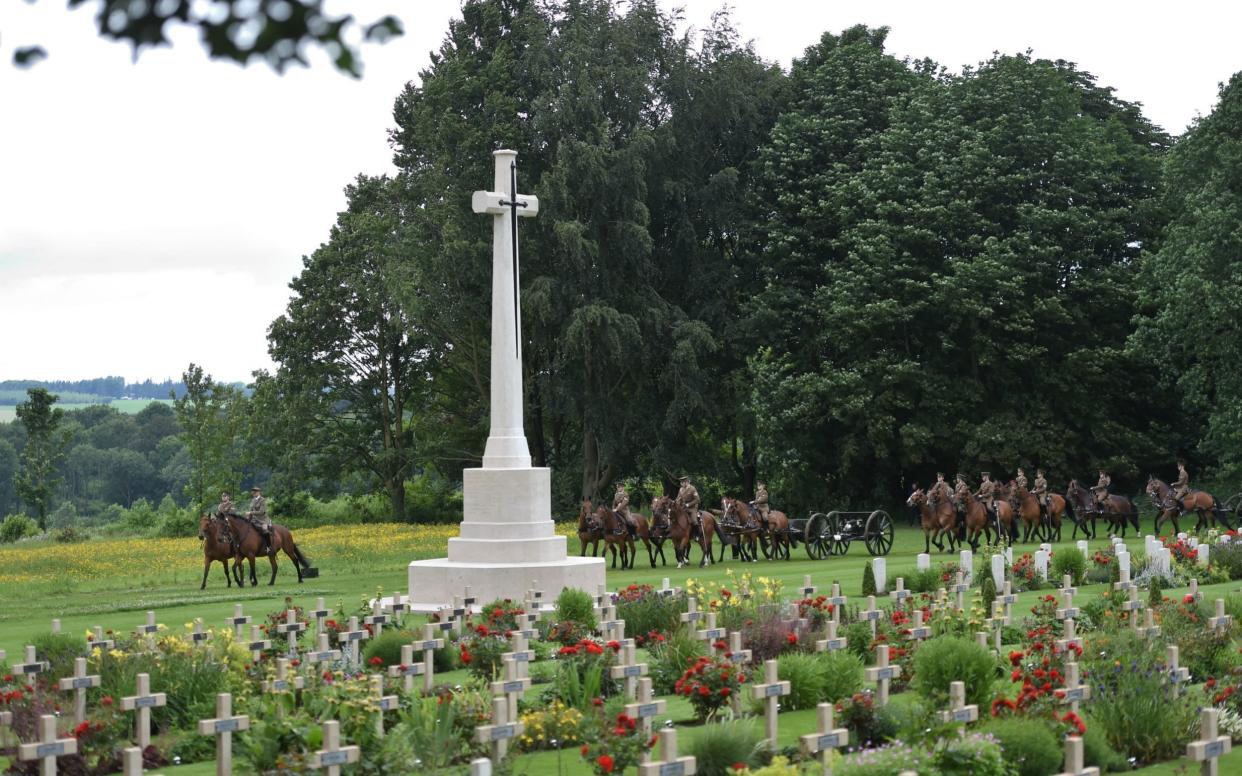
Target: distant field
[(131, 406)]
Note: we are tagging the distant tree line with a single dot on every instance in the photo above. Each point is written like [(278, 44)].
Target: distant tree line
[(93, 390)]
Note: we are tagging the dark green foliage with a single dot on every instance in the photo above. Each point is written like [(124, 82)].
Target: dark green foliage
[(947, 659), (842, 674), (1131, 705), (924, 581), (670, 658), (868, 581), (858, 639), (59, 650), (36, 480), (210, 415), (1029, 745), (1068, 561), (1155, 591), (650, 613), (987, 593), (1098, 753), (388, 647), (720, 745), (17, 527), (576, 606), (1229, 558), (807, 677)]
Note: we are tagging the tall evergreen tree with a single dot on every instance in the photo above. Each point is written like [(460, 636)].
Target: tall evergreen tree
[(37, 477)]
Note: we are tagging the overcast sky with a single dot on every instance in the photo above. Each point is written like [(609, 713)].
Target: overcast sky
[(153, 213)]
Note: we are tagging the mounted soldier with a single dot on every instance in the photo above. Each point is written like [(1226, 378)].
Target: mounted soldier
[(760, 504), (621, 505), (1181, 488), (987, 495), (1101, 489), (1041, 491), (257, 515), (1020, 479), (688, 498), (224, 511), (941, 488)]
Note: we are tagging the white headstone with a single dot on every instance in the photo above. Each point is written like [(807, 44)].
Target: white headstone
[(1041, 564), (998, 570), (1084, 548), (1009, 556), (879, 571), (967, 562), (507, 538), (1201, 552), (923, 562), (1123, 561)]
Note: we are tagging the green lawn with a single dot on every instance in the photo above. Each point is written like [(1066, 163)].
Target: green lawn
[(8, 412)]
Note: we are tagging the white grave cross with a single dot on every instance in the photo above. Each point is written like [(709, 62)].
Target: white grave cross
[(669, 764), (282, 683), (257, 643), (382, 702), (333, 755), (79, 683), (825, 738), (237, 621), (291, 628), (644, 709), (48, 747), (1220, 623), (629, 669), (143, 701), (1178, 675), (428, 647), (1211, 745), (351, 640), (1073, 759), (770, 693), (32, 665), (958, 710), (408, 668), (871, 614), (1074, 690), (500, 731), (223, 727), (882, 673), (512, 686)]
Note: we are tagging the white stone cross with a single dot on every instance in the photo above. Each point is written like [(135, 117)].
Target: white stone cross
[(958, 710), (223, 726), (1195, 593), (377, 619), (837, 601), (711, 633), (382, 702), (833, 642), (1150, 629), (291, 628), (1073, 759), (825, 738), (48, 747), (1211, 745), (1123, 582), (919, 631), (740, 657), (96, 640), (500, 731), (899, 593), (257, 643), (238, 621), (1221, 621), (519, 654), (351, 640), (1008, 599), (1178, 675), (981, 638), (770, 692), (667, 591), (807, 590), (32, 665), (1071, 637), (1074, 691), (428, 646), (997, 622), (882, 673), (408, 669), (692, 614), (398, 606), (512, 686), (643, 709), (505, 205), (333, 755), (320, 613), (79, 683), (611, 628), (628, 669), (1069, 611), (149, 629), (198, 635), (1132, 605), (142, 701), (282, 682), (871, 614), (960, 587), (321, 653), (669, 764)]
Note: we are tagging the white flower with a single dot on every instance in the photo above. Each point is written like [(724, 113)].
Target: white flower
[(1230, 723)]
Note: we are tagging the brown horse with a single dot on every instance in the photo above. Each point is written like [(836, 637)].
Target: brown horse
[(1169, 507), (937, 516), (218, 545), (778, 533), (616, 535), (642, 528), (250, 545), (683, 529), (1080, 506), (1006, 514), (743, 527), (590, 529), (1027, 506), (1120, 511), (976, 517)]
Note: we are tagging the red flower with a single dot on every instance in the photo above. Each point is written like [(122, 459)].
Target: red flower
[(792, 638), (605, 763), (466, 656), (724, 692), (377, 661), (597, 702), (584, 750), (1189, 599), (106, 700), (82, 729), (1210, 683), (614, 645)]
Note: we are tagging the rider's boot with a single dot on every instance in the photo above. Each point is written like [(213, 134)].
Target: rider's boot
[(267, 543)]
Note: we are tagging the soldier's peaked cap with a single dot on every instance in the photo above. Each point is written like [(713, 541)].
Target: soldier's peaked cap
[(684, 478), (985, 474), (256, 489)]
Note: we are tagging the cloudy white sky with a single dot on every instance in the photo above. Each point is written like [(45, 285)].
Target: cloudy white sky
[(153, 213)]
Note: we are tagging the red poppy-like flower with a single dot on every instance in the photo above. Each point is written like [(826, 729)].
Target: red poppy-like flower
[(614, 645), (106, 700), (1210, 683), (584, 750), (792, 638), (1016, 675), (605, 763), (1015, 657), (724, 692), (82, 729), (376, 661), (327, 676), (597, 702), (1189, 599), (593, 648), (466, 657)]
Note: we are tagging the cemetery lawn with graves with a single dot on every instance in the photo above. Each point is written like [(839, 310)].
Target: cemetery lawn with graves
[(1140, 716)]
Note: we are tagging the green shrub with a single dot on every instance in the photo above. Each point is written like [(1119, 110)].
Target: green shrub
[(70, 535), (806, 676), (973, 754), (924, 581), (889, 760), (387, 647), (59, 650), (1029, 745), (842, 674), (176, 523), (987, 593), (720, 745), (1097, 752), (1228, 558), (1132, 707), (941, 661), (647, 612), (1068, 561), (858, 639), (670, 658), (17, 527), (1155, 591), (868, 581), (576, 606)]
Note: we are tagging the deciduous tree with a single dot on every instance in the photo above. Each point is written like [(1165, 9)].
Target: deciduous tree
[(37, 477)]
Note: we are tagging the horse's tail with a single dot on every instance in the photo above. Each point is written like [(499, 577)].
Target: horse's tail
[(298, 555)]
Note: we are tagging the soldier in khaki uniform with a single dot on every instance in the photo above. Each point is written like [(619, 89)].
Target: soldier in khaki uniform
[(1020, 479), (688, 497), (1041, 489), (257, 514), (226, 507), (761, 502), (941, 488), (987, 494), (621, 505), (1101, 488), (1182, 487)]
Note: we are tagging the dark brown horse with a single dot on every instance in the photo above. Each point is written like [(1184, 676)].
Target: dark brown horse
[(218, 545), (1027, 505), (590, 529), (742, 527), (250, 546), (1169, 507), (1120, 512), (617, 539), (977, 521), (937, 516), (683, 529), (1080, 506)]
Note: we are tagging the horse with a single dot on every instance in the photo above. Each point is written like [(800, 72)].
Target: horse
[(1080, 506), (642, 529), (936, 519), (1027, 506), (682, 529), (1169, 507), (1120, 511), (976, 518), (743, 528), (616, 534), (590, 529), (218, 545), (778, 532), (1006, 514), (250, 542)]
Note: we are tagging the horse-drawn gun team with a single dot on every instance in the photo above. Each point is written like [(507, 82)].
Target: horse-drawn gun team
[(949, 515)]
